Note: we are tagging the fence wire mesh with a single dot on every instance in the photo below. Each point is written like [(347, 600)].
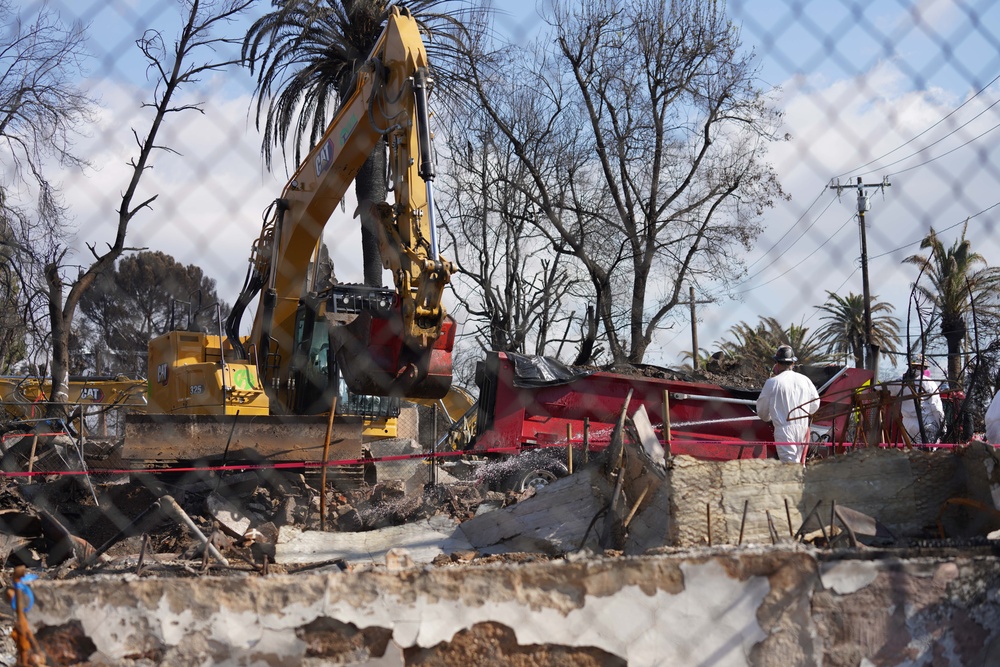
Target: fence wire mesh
[(886, 107)]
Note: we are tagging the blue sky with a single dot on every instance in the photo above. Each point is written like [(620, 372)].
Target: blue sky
[(856, 80)]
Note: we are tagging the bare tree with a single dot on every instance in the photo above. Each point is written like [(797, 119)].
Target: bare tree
[(41, 111), (513, 288), (644, 138), (172, 64), (41, 108)]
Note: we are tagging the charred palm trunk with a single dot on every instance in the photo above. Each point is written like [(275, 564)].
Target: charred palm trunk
[(953, 329), (370, 185)]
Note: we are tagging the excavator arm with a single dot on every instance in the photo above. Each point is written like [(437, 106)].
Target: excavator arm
[(400, 348)]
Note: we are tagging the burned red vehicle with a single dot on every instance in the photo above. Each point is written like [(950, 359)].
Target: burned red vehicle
[(533, 403)]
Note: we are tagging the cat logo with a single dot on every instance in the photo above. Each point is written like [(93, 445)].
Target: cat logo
[(91, 394), (161, 374), (324, 158)]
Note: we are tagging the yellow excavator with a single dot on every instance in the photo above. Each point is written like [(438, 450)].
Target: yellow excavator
[(349, 349)]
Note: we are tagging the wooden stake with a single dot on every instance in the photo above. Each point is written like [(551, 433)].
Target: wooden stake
[(666, 423), (326, 459), (635, 507), (788, 517), (142, 553), (31, 459), (569, 447)]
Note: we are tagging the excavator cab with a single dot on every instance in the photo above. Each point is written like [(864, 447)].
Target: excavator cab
[(319, 378)]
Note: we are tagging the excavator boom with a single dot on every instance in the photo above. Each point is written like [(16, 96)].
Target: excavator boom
[(384, 352), (312, 350)]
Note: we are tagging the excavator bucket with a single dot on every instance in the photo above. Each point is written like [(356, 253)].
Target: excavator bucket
[(375, 359)]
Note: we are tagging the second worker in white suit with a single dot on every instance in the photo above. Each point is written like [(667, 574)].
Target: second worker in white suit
[(788, 400)]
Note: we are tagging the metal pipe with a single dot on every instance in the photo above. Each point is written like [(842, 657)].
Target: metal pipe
[(717, 399), (788, 517), (421, 85), (718, 421), (431, 223), (743, 521)]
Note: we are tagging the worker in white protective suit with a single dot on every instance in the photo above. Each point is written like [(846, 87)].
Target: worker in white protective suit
[(920, 400), (993, 421), (788, 400)]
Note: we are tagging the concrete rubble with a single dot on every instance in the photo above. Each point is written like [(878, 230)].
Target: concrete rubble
[(873, 557)]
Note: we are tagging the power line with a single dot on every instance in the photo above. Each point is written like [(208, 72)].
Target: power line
[(799, 263), (938, 157), (789, 231), (915, 137), (926, 162), (835, 291), (792, 245), (944, 229)]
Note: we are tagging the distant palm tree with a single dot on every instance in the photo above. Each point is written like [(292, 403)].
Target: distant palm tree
[(306, 54), (844, 330), (754, 346), (704, 356), (960, 280)]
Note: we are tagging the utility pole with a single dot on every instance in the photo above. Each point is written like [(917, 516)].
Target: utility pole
[(864, 204), (694, 325)]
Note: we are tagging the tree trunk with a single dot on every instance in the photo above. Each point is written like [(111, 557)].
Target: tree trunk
[(59, 396), (586, 353), (371, 185)]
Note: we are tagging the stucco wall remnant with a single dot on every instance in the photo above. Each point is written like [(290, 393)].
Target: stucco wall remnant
[(759, 607)]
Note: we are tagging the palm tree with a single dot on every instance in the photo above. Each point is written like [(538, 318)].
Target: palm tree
[(306, 55), (699, 363), (844, 330), (754, 346), (960, 281)]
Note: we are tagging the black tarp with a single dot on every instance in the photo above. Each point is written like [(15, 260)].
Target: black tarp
[(535, 371)]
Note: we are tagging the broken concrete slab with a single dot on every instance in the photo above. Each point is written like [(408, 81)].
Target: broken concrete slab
[(558, 519), (647, 437), (230, 517), (414, 473), (424, 540)]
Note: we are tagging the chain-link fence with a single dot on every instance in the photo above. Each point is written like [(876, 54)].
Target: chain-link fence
[(840, 193)]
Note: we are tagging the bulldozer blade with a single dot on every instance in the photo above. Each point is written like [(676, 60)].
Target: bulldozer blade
[(273, 438)]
